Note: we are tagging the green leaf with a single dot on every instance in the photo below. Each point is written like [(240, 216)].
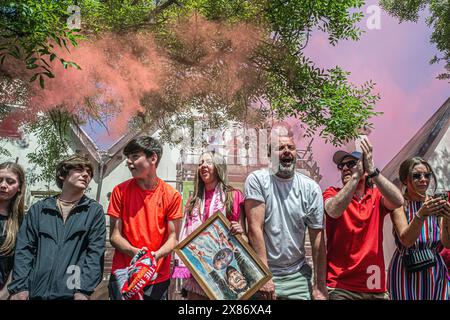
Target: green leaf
[(29, 55), (41, 81), (76, 66), (65, 43), (58, 41), (45, 62), (17, 50), (31, 61), (64, 63), (49, 74), (33, 78), (73, 42)]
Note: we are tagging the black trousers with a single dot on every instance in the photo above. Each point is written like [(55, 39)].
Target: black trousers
[(158, 291)]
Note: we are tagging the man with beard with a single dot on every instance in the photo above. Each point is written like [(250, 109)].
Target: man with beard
[(355, 215), (237, 281), (280, 204)]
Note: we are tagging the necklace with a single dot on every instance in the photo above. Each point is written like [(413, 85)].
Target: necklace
[(65, 211), (65, 201)]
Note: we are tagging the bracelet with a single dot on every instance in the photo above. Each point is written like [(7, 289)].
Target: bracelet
[(418, 216)]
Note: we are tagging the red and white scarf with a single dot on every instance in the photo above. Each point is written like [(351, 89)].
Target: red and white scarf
[(194, 220)]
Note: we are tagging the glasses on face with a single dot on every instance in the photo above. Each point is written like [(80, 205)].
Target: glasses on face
[(349, 164), (420, 175)]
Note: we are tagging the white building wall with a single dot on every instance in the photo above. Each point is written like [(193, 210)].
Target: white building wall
[(19, 149)]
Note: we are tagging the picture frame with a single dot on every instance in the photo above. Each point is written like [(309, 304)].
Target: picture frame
[(224, 265)]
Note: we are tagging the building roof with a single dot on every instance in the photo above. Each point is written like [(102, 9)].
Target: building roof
[(110, 158), (423, 143)]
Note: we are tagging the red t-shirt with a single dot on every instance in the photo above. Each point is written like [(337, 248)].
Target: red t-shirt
[(144, 215), (355, 260)]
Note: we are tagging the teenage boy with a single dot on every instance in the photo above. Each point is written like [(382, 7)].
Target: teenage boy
[(145, 212), (61, 243)]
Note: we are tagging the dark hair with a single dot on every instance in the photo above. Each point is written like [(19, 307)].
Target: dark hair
[(408, 165), (75, 161), (146, 144), (229, 270)]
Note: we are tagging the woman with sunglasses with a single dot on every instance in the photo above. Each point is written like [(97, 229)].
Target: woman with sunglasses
[(422, 226)]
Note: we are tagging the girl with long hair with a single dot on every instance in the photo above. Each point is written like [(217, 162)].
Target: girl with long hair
[(12, 195), (212, 193)]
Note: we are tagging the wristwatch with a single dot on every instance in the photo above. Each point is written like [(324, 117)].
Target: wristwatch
[(374, 174)]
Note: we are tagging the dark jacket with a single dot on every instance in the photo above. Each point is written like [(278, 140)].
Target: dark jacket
[(54, 259)]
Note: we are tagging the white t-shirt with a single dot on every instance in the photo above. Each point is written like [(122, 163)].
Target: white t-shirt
[(291, 206)]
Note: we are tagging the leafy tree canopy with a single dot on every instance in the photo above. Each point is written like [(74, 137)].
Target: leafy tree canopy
[(275, 76)]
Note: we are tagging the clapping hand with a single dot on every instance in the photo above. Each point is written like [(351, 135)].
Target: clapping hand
[(434, 206), (367, 149)]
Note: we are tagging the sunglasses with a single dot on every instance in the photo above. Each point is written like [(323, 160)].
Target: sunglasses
[(418, 176), (349, 164)]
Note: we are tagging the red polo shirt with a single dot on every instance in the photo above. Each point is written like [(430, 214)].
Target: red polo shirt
[(355, 260)]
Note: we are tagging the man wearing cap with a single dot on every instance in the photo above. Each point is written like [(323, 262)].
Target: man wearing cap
[(354, 227)]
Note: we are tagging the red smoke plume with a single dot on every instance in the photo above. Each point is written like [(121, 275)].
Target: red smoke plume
[(117, 70)]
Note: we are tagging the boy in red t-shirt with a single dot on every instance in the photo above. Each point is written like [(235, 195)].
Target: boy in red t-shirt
[(144, 212), (354, 227)]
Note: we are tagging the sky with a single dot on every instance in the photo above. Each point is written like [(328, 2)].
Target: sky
[(396, 57)]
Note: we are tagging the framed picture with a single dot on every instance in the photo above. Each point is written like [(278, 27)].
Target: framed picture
[(225, 266)]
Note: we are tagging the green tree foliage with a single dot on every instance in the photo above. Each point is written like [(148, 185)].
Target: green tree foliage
[(275, 74), (51, 130), (438, 19), (29, 32)]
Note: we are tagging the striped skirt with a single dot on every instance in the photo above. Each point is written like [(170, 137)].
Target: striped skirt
[(429, 284)]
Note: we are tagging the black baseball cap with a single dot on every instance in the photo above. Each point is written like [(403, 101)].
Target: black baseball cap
[(341, 154)]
